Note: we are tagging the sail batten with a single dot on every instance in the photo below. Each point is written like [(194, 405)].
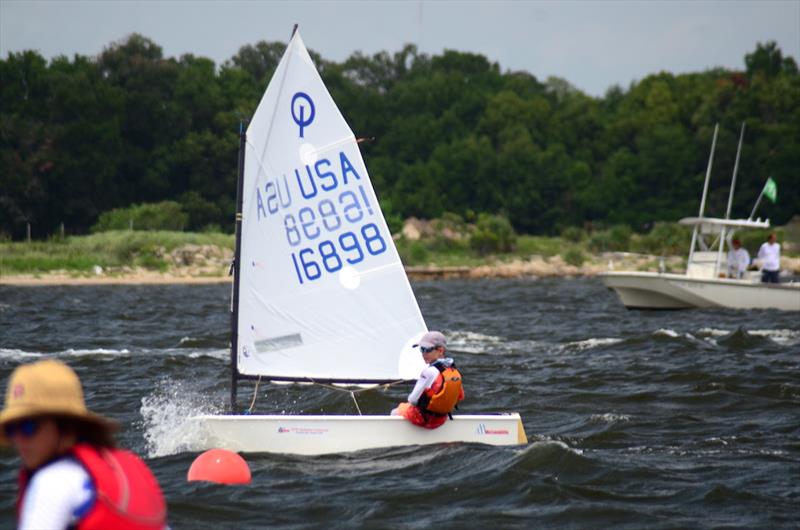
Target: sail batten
[(323, 295)]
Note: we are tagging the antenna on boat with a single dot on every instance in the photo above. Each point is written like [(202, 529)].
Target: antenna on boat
[(235, 266), (730, 200), (705, 193)]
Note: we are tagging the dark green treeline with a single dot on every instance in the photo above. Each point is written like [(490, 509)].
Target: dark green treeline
[(453, 133)]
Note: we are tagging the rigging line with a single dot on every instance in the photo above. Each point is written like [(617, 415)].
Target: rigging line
[(255, 395), (353, 395)]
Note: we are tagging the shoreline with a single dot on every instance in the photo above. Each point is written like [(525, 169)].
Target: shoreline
[(533, 267)]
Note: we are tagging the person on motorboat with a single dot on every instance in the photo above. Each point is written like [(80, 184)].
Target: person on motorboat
[(738, 260), (770, 256), (438, 389), (72, 476)]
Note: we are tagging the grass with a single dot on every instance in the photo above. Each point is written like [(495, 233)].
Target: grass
[(118, 248), (113, 250)]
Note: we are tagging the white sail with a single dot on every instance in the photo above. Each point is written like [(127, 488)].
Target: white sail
[(323, 294)]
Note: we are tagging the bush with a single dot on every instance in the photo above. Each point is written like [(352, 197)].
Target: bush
[(666, 239), (573, 234), (615, 239), (574, 256), (412, 252), (393, 219), (493, 234), (200, 212), (167, 215)]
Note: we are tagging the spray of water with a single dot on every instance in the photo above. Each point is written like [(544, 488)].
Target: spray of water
[(167, 413)]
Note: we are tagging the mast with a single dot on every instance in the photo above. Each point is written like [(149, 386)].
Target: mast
[(705, 193), (730, 201), (237, 252)]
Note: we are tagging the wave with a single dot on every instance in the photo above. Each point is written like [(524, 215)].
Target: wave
[(590, 343), (14, 354), (784, 337), (94, 351), (608, 417), (23, 355)]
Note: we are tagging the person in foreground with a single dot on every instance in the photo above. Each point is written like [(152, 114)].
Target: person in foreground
[(72, 476), (770, 256), (738, 260), (439, 386)]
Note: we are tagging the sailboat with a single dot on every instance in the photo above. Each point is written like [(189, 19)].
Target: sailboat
[(319, 292), (704, 284)]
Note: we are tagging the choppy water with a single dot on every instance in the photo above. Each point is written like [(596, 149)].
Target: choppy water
[(636, 419)]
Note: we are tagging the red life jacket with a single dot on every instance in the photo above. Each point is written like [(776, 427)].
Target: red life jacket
[(445, 393), (127, 495)]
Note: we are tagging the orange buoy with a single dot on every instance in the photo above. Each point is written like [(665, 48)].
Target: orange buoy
[(220, 466)]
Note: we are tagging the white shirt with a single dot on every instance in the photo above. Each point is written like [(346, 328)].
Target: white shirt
[(738, 260), (57, 496), (770, 255)]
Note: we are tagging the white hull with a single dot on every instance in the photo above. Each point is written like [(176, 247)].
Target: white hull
[(650, 290), (317, 435)]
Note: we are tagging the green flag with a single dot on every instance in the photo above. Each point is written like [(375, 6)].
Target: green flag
[(771, 190)]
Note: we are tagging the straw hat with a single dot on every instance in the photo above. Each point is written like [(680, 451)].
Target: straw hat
[(47, 388)]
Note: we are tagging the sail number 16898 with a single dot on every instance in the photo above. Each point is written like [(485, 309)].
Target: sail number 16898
[(331, 255)]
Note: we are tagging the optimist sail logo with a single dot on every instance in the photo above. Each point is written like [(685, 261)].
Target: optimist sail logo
[(303, 110)]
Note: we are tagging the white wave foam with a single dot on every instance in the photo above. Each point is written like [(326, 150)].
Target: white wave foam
[(590, 343), (472, 342), (166, 417), (222, 355), (667, 332), (784, 337), (11, 353), (544, 441), (608, 417), (713, 332), (95, 351)]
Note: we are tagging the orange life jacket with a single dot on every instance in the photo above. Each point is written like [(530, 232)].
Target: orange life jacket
[(445, 393), (127, 495)]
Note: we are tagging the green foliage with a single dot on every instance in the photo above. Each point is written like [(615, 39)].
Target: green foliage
[(107, 249), (393, 219), (573, 234), (616, 238), (665, 239), (493, 234), (412, 252), (574, 256), (166, 215), (454, 133), (528, 245), (201, 214)]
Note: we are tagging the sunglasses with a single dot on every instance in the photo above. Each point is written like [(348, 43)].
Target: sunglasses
[(26, 428), (423, 349)]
